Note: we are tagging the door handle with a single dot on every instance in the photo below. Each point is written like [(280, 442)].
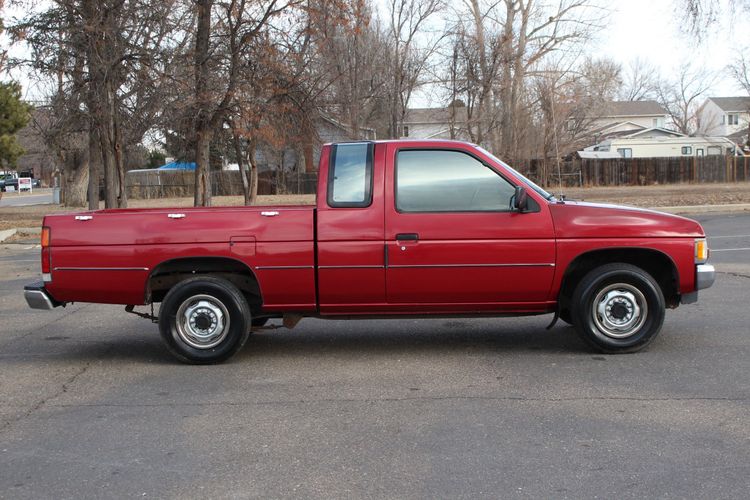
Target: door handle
[(407, 237)]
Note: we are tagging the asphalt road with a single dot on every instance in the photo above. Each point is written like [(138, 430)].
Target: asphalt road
[(92, 406), (37, 197)]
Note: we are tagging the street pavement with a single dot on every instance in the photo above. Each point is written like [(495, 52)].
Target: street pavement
[(41, 196), (92, 405)]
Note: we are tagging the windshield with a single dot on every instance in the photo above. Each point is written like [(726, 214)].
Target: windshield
[(529, 182)]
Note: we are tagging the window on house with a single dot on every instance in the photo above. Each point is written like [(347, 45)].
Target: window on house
[(570, 125), (655, 122), (699, 152), (350, 176), (448, 181), (625, 152), (734, 119), (714, 150), (406, 131), (723, 119), (687, 150)]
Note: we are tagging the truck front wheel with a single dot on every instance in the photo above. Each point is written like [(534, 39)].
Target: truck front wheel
[(204, 320), (618, 308)]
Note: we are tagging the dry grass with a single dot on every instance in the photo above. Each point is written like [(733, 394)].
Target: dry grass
[(643, 196), (672, 195)]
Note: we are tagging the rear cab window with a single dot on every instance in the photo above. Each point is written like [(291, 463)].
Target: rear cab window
[(350, 175)]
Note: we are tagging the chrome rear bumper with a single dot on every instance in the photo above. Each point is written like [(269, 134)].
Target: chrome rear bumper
[(37, 297)]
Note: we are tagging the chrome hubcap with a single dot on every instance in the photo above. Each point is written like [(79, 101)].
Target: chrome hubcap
[(202, 321), (619, 310)]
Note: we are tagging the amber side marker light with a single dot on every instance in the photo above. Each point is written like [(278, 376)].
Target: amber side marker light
[(701, 251)]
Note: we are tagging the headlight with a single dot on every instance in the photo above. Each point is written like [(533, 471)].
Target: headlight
[(701, 251)]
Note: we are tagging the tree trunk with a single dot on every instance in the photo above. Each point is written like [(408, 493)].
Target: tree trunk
[(203, 133), (122, 193), (251, 147), (202, 197), (76, 179), (95, 165), (243, 166)]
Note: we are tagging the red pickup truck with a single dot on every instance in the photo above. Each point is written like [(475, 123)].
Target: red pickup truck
[(401, 228)]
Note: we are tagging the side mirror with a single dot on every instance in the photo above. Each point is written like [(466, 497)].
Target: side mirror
[(520, 201)]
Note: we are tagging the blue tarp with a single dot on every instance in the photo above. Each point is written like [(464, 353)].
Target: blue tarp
[(178, 166)]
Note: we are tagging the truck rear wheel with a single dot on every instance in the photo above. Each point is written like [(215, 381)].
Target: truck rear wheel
[(618, 308), (204, 320)]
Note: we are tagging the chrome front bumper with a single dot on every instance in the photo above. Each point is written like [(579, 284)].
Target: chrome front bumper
[(705, 275), (37, 297)]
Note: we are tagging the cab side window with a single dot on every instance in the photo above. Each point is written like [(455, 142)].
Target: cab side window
[(448, 181)]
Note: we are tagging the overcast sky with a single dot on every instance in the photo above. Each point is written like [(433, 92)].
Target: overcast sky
[(637, 29), (649, 30)]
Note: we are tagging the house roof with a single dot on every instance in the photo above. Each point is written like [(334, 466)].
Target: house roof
[(607, 129), (741, 103), (342, 126), (656, 131), (633, 108), (435, 115)]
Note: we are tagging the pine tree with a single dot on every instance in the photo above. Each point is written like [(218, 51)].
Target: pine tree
[(14, 115)]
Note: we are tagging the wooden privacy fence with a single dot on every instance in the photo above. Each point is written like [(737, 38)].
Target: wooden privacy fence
[(598, 172), (149, 184), (640, 171)]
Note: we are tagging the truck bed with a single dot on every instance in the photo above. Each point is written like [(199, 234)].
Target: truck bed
[(87, 247)]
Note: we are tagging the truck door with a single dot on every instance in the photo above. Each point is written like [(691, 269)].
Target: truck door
[(451, 237), (350, 228)]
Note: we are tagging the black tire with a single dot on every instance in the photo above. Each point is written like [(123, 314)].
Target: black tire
[(565, 316), (220, 322), (618, 308), (258, 322)]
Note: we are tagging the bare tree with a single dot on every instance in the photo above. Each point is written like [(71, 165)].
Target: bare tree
[(701, 16), (101, 54), (510, 40), (570, 100), (681, 95), (351, 51), (408, 56), (640, 81), (216, 70)]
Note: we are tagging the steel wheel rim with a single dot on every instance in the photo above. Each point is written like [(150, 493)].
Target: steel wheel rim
[(619, 310), (202, 321)]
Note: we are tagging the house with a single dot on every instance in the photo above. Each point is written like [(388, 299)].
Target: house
[(726, 117), (435, 123), (661, 143), (636, 114)]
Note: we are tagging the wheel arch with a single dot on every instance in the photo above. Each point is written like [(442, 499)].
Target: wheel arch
[(656, 263), (170, 272)]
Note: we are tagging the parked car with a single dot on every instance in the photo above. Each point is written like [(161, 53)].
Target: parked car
[(400, 229), (12, 182), (8, 179)]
